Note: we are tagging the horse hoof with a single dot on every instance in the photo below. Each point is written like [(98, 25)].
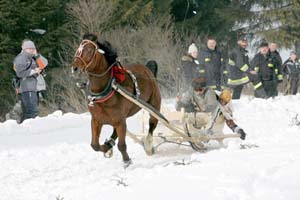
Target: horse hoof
[(108, 154), (127, 163), (96, 147), (150, 151), (148, 145)]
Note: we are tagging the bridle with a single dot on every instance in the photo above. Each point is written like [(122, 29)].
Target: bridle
[(78, 55), (107, 93)]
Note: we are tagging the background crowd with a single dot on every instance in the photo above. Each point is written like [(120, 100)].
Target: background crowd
[(234, 70)]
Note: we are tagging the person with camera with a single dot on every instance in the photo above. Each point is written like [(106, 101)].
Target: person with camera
[(28, 66)]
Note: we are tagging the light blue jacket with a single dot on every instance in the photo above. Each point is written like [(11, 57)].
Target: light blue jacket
[(25, 66)]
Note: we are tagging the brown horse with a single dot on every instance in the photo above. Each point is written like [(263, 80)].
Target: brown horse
[(96, 59)]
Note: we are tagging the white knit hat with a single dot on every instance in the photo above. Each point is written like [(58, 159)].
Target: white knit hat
[(28, 44), (192, 48)]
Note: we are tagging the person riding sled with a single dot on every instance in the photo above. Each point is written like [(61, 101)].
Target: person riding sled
[(208, 110)]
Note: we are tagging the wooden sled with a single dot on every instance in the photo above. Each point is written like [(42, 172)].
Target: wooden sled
[(178, 129)]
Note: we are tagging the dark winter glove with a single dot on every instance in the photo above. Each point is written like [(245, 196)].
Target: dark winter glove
[(241, 132), (36, 56)]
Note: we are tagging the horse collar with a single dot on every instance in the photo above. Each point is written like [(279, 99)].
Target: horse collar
[(102, 96)]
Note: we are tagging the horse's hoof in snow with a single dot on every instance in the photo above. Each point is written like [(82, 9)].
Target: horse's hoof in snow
[(148, 145), (127, 163), (108, 154)]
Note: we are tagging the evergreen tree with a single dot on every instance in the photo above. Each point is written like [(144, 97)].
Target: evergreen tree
[(132, 12), (278, 21), (210, 18)]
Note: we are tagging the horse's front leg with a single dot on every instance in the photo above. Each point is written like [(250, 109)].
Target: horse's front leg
[(96, 129), (121, 131)]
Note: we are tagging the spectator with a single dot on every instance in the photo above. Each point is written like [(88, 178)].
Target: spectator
[(291, 67), (239, 71), (29, 65), (275, 54), (191, 67), (212, 62), (269, 72)]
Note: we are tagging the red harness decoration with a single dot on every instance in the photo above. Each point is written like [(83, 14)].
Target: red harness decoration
[(119, 73)]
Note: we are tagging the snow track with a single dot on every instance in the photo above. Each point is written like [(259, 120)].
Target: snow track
[(51, 158)]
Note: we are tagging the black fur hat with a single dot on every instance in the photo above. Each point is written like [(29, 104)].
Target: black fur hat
[(264, 44), (199, 83)]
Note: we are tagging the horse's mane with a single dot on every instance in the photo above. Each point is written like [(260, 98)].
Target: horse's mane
[(110, 52)]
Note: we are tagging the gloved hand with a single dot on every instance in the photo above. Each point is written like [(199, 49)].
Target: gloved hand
[(35, 71), (35, 56), (241, 132), (279, 81)]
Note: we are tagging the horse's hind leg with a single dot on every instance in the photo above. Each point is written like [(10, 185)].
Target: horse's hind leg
[(148, 142)]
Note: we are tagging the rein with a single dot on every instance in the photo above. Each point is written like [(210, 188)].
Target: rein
[(102, 74)]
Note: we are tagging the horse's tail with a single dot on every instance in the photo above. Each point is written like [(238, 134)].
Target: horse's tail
[(152, 65)]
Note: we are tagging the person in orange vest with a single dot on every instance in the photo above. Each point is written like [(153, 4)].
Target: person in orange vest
[(28, 66)]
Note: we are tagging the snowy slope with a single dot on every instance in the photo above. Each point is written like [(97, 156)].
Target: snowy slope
[(51, 158)]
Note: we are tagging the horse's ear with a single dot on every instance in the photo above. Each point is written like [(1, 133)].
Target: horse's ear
[(101, 51), (90, 36)]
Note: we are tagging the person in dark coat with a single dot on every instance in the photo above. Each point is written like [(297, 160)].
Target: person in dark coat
[(239, 71), (211, 60), (191, 67), (291, 67), (275, 54), (28, 66), (268, 70)]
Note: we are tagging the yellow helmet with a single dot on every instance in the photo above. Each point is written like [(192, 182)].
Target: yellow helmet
[(225, 95)]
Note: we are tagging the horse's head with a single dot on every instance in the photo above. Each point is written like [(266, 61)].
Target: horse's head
[(87, 55), (91, 53)]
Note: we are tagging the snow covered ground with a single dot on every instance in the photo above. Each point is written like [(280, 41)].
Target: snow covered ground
[(50, 158)]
